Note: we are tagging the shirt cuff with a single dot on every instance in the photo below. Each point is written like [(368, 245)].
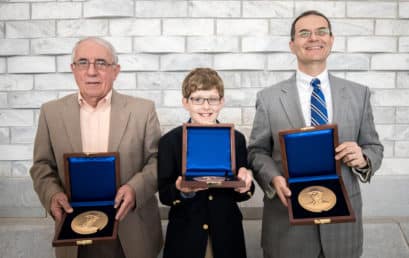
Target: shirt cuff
[(363, 174), (187, 195), (270, 191)]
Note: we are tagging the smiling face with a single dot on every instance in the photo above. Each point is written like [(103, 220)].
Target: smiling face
[(311, 51), (94, 84), (203, 113)]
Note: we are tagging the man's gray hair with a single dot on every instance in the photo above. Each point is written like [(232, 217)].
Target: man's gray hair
[(99, 41)]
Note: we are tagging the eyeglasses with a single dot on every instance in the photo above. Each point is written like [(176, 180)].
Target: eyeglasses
[(99, 64), (321, 32), (210, 101)]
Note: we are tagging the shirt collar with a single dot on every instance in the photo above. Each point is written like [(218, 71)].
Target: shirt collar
[(104, 102), (304, 79)]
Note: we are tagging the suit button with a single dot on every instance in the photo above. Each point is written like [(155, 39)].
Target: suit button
[(205, 226), (210, 197)]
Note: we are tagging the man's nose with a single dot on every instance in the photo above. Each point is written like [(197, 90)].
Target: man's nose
[(91, 69), (313, 36)]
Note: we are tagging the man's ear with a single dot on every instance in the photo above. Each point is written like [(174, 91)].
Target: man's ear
[(291, 45)]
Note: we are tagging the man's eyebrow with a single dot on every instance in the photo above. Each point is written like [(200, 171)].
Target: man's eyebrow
[(320, 28)]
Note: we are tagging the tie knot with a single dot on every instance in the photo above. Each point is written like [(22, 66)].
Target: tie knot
[(316, 83)]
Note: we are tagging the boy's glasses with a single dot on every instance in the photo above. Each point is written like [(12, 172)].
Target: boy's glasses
[(210, 101), (321, 32), (99, 64)]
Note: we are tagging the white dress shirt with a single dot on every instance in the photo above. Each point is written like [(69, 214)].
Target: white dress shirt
[(305, 90)]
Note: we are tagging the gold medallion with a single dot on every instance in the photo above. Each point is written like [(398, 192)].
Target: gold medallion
[(317, 199), (210, 179), (89, 222)]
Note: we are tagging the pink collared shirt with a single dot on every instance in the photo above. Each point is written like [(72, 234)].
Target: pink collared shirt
[(95, 124)]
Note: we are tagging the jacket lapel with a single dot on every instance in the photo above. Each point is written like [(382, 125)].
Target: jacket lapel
[(71, 120), (291, 103), (119, 120), (339, 100)]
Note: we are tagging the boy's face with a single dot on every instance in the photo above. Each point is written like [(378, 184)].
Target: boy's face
[(204, 106)]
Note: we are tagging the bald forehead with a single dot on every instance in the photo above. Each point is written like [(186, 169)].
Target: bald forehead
[(95, 44)]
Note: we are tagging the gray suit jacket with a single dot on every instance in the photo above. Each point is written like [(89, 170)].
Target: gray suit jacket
[(134, 133), (278, 108)]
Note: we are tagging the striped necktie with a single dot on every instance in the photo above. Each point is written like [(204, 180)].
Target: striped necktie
[(319, 115)]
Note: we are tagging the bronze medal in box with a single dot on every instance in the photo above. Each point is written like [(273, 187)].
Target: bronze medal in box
[(209, 156), (91, 182), (318, 193), (89, 222)]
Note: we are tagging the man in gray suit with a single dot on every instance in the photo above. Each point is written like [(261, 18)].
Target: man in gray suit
[(287, 105), (99, 119)]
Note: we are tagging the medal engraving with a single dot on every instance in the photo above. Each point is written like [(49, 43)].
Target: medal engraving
[(89, 222), (212, 180), (317, 199)]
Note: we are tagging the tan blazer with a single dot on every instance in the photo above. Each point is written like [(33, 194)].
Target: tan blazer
[(134, 133)]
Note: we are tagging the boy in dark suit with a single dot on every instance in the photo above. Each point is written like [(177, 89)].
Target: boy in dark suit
[(202, 222)]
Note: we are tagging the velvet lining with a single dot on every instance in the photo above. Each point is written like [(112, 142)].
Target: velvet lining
[(208, 152), (92, 178)]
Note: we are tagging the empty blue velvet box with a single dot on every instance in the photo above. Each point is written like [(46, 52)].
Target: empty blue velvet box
[(209, 151)]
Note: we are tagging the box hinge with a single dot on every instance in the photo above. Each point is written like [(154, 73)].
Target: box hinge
[(84, 242), (322, 221)]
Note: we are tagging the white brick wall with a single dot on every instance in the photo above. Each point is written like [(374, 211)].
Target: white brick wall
[(214, 9), (108, 8), (160, 41), (55, 11)]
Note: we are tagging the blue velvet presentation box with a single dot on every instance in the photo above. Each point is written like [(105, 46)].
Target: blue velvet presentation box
[(308, 156), (208, 156), (91, 183)]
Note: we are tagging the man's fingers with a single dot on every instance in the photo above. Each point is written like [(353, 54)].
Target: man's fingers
[(282, 197), (281, 188), (125, 200), (118, 199), (120, 215), (59, 205), (65, 205), (123, 210), (57, 214)]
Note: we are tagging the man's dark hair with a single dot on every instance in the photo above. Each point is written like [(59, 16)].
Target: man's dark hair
[(308, 13)]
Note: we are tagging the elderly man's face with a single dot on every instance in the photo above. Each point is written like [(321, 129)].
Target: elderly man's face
[(94, 81)]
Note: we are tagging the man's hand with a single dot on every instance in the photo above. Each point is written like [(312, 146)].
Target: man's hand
[(351, 154), (186, 190), (60, 205), (125, 200), (281, 188), (247, 176)]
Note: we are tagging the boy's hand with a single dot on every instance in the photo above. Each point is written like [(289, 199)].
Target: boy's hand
[(247, 176), (186, 190)]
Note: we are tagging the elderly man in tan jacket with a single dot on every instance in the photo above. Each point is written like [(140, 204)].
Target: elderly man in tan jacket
[(99, 119)]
